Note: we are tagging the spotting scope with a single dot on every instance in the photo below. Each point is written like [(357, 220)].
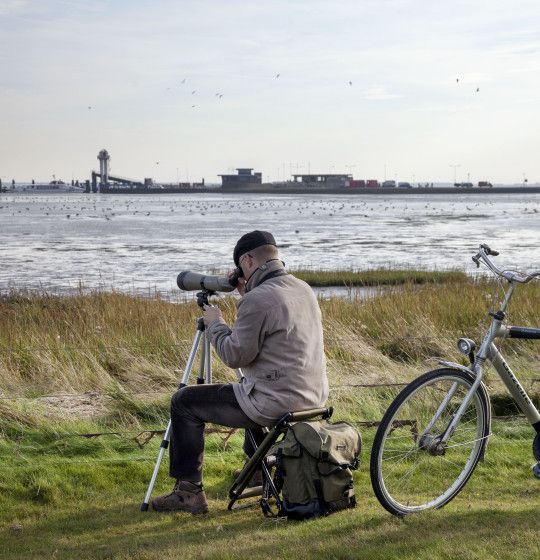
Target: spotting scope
[(190, 281)]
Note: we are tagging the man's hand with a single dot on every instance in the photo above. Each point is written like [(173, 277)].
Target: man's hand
[(211, 314)]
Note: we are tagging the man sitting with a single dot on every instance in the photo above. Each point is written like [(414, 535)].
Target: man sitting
[(277, 340)]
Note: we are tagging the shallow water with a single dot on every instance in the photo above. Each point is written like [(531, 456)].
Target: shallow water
[(138, 243)]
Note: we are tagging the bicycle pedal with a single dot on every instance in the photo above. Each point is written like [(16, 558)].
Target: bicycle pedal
[(536, 470)]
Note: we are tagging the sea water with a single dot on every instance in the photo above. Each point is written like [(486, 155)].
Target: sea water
[(139, 243)]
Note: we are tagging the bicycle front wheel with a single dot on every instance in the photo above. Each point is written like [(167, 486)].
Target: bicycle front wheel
[(411, 470)]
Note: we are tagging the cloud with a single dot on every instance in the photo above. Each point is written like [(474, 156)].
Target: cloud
[(379, 93), (127, 58), (9, 7)]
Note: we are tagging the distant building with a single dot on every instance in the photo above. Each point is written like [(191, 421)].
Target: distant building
[(245, 177), (326, 180)]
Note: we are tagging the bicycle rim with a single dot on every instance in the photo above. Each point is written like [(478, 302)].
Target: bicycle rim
[(409, 473)]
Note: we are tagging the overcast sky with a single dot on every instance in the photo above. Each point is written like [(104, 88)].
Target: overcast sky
[(405, 114)]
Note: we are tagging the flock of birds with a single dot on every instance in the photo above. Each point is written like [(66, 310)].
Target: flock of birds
[(219, 95), (74, 207), (476, 90), (140, 241)]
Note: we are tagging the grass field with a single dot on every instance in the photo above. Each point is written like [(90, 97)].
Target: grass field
[(80, 499), (106, 363), (377, 277)]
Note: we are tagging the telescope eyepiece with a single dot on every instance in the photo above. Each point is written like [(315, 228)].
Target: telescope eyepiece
[(235, 276)]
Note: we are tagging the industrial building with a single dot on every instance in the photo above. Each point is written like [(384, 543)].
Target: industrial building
[(328, 180), (244, 178), (106, 179)]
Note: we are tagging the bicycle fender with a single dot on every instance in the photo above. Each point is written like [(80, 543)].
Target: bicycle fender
[(482, 387), (455, 365)]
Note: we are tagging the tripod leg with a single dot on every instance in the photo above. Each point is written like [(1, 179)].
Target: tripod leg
[(202, 365), (164, 446), (191, 359), (167, 436), (208, 355)]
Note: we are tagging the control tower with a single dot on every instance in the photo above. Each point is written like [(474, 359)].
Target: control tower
[(104, 158), (106, 180)]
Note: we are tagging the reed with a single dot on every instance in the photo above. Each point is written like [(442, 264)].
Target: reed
[(105, 341), (377, 277)]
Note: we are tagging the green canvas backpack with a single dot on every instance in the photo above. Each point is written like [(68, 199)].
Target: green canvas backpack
[(313, 464)]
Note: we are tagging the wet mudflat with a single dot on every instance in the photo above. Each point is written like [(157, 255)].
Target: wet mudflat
[(140, 242)]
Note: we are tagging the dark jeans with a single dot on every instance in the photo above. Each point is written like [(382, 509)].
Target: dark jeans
[(191, 407)]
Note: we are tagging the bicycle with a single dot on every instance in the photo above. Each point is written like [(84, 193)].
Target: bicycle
[(448, 418)]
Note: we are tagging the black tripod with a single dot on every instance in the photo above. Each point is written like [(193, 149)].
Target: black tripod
[(205, 376)]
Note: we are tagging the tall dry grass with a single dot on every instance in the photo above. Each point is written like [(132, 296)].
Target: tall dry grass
[(110, 341)]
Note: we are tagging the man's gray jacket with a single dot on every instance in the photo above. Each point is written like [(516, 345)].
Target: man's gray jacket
[(277, 340)]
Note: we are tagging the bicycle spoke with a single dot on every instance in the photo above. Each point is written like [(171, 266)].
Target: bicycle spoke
[(415, 470)]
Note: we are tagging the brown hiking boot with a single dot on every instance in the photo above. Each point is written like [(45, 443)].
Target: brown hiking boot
[(186, 496), (255, 480)]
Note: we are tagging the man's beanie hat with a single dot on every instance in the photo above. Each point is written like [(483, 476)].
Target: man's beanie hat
[(251, 241)]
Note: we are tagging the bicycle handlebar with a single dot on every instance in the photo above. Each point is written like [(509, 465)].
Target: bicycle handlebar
[(510, 275)]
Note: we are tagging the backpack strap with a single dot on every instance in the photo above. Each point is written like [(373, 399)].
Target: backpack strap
[(278, 476), (320, 496)]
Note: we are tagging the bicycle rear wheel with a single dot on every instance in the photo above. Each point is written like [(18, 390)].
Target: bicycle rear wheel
[(410, 470)]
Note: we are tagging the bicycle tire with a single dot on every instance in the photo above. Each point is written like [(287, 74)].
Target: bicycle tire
[(380, 480)]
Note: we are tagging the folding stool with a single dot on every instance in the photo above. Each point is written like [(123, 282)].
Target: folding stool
[(268, 489)]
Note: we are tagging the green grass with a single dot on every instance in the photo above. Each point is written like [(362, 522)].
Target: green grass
[(110, 359), (377, 277), (66, 498)]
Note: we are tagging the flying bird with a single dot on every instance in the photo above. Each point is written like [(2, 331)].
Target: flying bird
[(157, 162), (183, 81), (277, 76), (193, 106), (89, 107), (350, 83), (194, 91), (457, 80), (477, 89)]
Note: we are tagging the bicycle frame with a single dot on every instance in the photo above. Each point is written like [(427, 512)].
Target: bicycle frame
[(461, 401), (488, 351)]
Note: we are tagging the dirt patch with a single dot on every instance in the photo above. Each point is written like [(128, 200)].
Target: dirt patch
[(87, 406)]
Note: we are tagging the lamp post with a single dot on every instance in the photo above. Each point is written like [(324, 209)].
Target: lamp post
[(455, 166)]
